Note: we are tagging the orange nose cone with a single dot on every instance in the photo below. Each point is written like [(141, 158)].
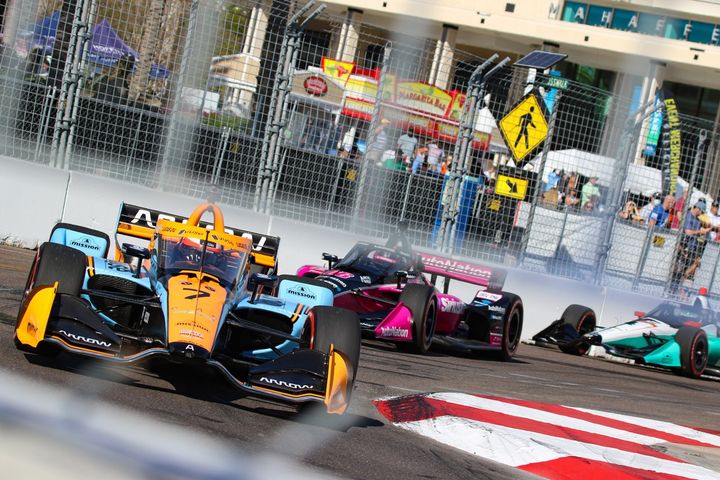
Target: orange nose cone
[(194, 309)]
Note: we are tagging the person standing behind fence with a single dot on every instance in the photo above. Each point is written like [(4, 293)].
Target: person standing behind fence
[(692, 245), (406, 144), (650, 206), (658, 218), (115, 86), (434, 156), (378, 141), (419, 160), (678, 211), (590, 194), (714, 221)]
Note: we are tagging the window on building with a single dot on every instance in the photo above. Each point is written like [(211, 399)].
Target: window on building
[(463, 70), (694, 101), (314, 46), (373, 56)]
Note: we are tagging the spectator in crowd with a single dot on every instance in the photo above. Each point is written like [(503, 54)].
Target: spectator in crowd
[(446, 165), (419, 160), (714, 221), (395, 162), (650, 206), (435, 154), (490, 173), (115, 85), (406, 144), (678, 212), (590, 194), (660, 215), (691, 247), (572, 199), (37, 67), (378, 141), (630, 212), (553, 179)]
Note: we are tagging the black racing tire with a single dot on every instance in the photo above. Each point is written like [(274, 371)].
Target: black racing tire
[(56, 263), (422, 302), (583, 320), (693, 344), (339, 327), (512, 327)]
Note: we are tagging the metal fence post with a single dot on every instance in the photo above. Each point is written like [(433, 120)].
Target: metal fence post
[(461, 153), (269, 154), (68, 90), (367, 165), (628, 149)]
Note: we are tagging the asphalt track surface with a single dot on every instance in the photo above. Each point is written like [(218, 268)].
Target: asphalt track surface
[(364, 444)]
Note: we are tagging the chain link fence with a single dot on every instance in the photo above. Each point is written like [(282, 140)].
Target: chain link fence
[(292, 111)]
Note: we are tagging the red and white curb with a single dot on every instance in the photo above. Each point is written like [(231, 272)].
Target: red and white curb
[(552, 441)]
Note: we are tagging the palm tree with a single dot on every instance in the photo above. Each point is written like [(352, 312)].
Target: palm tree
[(148, 45)]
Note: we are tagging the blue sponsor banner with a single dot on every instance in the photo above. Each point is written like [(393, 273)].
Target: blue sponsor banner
[(468, 190), (654, 129)]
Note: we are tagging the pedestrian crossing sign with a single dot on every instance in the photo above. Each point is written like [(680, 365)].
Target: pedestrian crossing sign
[(524, 127)]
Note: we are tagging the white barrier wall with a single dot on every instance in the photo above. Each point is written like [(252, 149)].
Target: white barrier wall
[(36, 197)]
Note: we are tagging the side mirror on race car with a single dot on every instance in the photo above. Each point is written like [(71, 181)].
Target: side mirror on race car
[(330, 258), (258, 281), (135, 251), (639, 314)]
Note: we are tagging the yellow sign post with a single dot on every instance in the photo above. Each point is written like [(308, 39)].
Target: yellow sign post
[(511, 187), (524, 127)]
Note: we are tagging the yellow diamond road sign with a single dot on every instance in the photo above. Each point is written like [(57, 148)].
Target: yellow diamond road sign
[(511, 187), (524, 127)]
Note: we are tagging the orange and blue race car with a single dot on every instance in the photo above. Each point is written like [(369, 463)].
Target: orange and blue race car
[(194, 294)]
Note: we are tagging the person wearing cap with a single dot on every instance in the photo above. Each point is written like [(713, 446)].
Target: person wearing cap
[(650, 206), (691, 248)]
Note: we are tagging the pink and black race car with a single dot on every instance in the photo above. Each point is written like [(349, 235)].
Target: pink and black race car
[(390, 290)]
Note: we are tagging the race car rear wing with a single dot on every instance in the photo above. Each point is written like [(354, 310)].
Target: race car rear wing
[(492, 279), (139, 222)]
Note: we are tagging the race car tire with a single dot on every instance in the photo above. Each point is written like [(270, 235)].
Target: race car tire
[(58, 263), (338, 327), (693, 351), (583, 320), (512, 327), (422, 302), (65, 265)]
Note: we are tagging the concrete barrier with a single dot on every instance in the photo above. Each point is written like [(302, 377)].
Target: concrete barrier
[(94, 201)]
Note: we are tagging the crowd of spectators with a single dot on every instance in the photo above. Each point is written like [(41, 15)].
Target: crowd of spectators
[(572, 190)]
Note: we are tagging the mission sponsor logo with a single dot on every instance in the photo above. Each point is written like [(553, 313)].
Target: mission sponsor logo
[(85, 242), (303, 292)]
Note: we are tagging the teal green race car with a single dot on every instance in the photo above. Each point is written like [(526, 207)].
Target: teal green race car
[(680, 337)]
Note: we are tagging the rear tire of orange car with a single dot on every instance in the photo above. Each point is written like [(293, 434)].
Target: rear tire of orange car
[(693, 351), (422, 302), (583, 320)]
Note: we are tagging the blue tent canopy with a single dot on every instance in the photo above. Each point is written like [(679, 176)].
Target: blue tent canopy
[(106, 47)]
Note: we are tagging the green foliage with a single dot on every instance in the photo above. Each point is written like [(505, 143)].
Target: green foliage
[(223, 120), (233, 21)]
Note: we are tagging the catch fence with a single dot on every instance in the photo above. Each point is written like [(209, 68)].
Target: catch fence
[(296, 111)]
